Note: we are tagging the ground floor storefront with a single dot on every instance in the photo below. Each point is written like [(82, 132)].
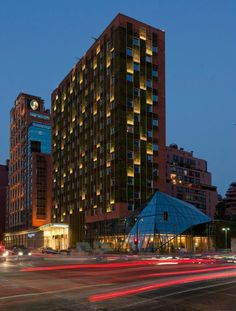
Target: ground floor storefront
[(51, 235), (164, 243)]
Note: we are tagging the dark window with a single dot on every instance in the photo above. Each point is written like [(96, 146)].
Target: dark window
[(35, 146)]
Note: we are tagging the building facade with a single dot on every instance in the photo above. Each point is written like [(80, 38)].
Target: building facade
[(3, 197), (29, 193), (230, 201), (109, 129), (189, 180)]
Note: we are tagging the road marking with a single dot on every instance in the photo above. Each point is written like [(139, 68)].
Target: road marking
[(52, 292)]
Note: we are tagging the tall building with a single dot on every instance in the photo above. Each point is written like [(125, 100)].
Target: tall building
[(3, 197), (109, 130), (29, 191), (189, 180), (230, 201)]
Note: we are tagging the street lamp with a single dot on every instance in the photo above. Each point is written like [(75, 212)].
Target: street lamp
[(226, 232)]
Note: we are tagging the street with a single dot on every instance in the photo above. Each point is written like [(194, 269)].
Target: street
[(120, 285)]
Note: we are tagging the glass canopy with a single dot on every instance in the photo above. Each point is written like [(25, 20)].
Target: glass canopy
[(165, 215)]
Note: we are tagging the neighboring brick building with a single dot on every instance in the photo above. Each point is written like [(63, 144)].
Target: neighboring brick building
[(189, 180), (30, 174), (109, 130), (3, 197)]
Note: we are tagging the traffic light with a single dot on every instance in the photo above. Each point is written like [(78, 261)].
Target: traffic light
[(165, 216), (135, 241)]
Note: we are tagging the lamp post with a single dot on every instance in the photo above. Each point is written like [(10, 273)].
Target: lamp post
[(226, 232)]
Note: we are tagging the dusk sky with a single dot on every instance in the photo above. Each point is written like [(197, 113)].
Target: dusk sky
[(40, 42)]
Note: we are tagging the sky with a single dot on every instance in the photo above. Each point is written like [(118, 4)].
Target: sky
[(40, 42)]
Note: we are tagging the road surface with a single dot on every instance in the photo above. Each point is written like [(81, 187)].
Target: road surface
[(39, 285)]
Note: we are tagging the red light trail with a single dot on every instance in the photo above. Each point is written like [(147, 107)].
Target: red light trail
[(119, 265), (141, 289)]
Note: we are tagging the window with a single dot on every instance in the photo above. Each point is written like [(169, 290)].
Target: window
[(136, 41), (130, 104), (130, 181), (149, 183), (154, 49), (155, 122), (136, 117), (136, 169), (112, 105), (136, 143), (155, 98), (148, 59), (130, 129), (112, 130), (149, 158), (155, 172), (108, 121), (129, 52), (130, 207), (137, 195), (154, 73), (149, 83), (136, 66), (149, 108), (112, 155), (130, 155), (136, 91), (129, 77), (155, 147), (149, 134)]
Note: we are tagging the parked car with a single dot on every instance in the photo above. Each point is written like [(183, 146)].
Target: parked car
[(49, 250)]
